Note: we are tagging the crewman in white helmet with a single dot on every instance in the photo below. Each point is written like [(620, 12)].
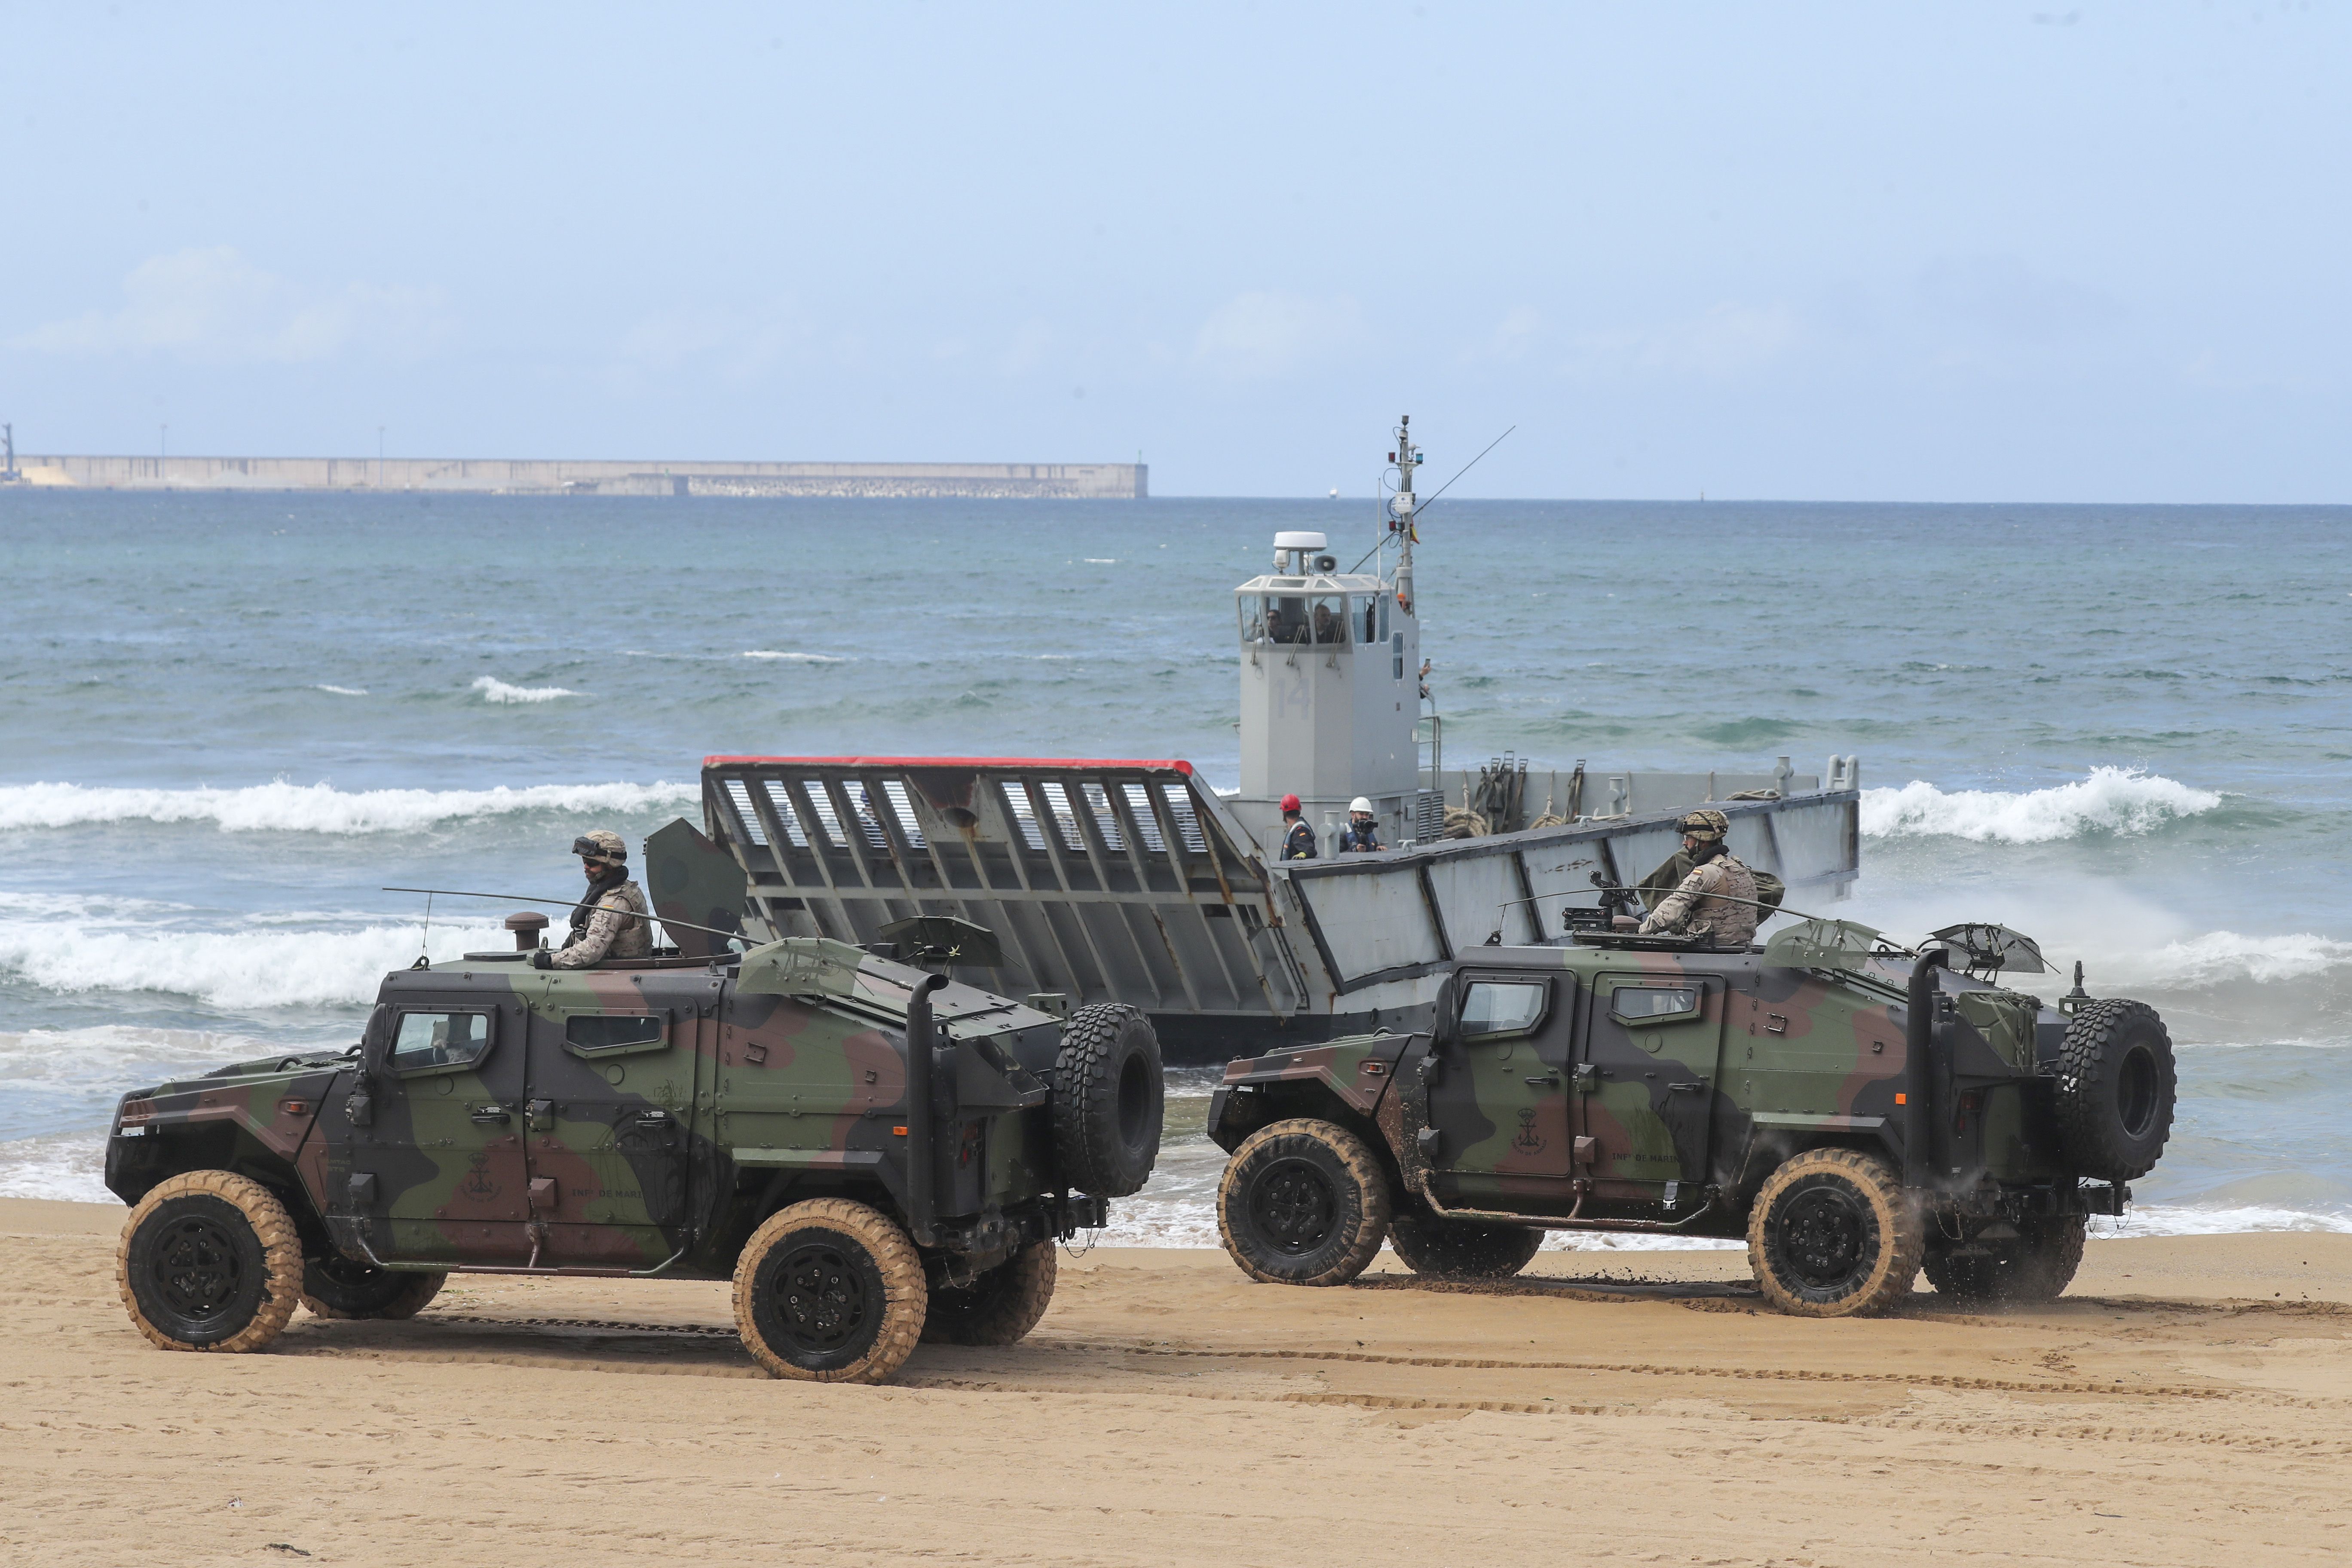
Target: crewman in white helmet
[(1359, 838)]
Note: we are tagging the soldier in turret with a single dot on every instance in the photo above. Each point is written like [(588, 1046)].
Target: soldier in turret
[(1297, 838), (1717, 901), (610, 921)]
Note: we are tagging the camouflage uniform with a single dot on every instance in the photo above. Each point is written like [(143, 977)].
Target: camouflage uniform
[(1696, 909), (612, 922)]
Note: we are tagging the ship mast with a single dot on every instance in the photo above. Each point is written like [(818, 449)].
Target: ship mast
[(1400, 507)]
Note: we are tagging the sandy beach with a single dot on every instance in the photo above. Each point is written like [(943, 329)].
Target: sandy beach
[(2190, 1402)]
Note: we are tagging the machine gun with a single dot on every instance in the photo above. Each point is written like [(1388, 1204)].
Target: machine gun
[(1614, 901)]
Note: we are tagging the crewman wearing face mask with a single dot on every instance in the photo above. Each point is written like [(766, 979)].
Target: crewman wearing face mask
[(1717, 902), (611, 920)]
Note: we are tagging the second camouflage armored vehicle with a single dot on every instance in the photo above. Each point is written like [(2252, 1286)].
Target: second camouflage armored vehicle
[(1851, 1111), (872, 1154)]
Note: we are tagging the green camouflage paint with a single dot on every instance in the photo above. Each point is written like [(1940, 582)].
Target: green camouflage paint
[(639, 1116), (1660, 1086)]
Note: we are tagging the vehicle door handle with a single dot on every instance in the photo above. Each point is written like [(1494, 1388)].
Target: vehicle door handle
[(1547, 1077), (1688, 1088), (491, 1115)]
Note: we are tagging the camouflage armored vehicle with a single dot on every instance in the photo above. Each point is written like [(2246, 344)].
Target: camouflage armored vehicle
[(873, 1155), (1850, 1110)]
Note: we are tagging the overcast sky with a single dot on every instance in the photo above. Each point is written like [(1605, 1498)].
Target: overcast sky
[(1922, 252)]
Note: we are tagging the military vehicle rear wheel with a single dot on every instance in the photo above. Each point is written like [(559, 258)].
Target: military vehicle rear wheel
[(999, 1308), (209, 1261), (830, 1291), (1460, 1248), (1109, 1100), (335, 1287), (1834, 1234), (2115, 1089), (2035, 1265), (1303, 1202)]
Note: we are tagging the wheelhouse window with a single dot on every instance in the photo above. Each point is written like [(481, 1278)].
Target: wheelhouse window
[(439, 1040), (1653, 1004), (1494, 1009)]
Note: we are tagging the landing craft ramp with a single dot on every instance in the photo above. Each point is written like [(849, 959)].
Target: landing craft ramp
[(1131, 882)]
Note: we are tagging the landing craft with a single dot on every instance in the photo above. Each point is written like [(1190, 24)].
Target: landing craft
[(1135, 882)]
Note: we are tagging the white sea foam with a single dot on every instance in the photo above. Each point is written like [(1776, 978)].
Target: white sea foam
[(2198, 1219), (284, 807), (790, 657), (232, 969), (344, 690), (52, 1063), (66, 1165), (2219, 956), (2110, 800), (496, 690)]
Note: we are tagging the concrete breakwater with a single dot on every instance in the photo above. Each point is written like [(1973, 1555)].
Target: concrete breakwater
[(533, 476)]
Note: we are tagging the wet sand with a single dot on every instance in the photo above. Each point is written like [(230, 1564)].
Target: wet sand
[(2190, 1402)]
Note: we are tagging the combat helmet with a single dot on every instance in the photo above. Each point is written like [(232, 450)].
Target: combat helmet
[(1707, 827), (602, 845)]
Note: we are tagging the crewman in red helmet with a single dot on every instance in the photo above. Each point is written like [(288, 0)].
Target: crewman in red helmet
[(1297, 838)]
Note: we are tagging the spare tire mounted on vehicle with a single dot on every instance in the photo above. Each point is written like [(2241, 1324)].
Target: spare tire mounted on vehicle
[(2116, 1088), (1108, 1099)]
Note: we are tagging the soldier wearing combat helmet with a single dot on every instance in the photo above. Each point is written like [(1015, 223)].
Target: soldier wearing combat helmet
[(611, 920), (1717, 901)]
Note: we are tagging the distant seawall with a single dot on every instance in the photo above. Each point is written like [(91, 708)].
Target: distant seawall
[(533, 476)]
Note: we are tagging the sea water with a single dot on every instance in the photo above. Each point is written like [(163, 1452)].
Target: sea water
[(227, 721)]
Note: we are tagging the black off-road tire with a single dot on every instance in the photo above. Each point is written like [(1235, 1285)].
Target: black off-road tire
[(209, 1261), (1110, 1100), (1834, 1234), (1461, 1248), (2116, 1089), (830, 1291), (335, 1287), (1303, 1202), (2036, 1266), (999, 1308)]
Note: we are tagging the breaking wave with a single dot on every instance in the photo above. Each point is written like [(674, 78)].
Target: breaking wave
[(233, 969), (2111, 800), (344, 690), (496, 690), (790, 657), (283, 807)]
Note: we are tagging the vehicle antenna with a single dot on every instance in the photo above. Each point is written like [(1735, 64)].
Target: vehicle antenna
[(425, 941), (528, 899)]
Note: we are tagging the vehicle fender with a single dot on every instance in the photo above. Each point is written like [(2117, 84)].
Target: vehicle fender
[(1352, 1076)]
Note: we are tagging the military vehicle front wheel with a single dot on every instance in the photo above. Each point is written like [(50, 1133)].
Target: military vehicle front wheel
[(1460, 1248), (2115, 1089), (2035, 1265), (209, 1261), (999, 1308), (1834, 1234), (1303, 1202), (830, 1291), (335, 1287), (1110, 1100)]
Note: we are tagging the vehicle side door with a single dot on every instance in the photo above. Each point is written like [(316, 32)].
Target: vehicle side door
[(1645, 1080), (1499, 1099), (435, 1170), (614, 1080)]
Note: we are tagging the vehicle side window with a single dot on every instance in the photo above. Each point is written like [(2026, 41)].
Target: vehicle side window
[(1653, 1004), (439, 1040), (613, 1031), (1498, 1008)]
